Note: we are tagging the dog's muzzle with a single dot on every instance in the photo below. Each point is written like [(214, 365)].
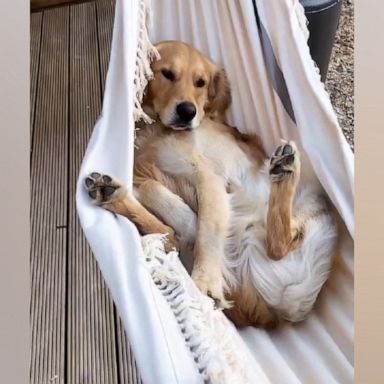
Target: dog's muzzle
[(184, 114)]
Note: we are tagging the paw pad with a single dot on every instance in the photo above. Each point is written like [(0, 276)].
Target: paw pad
[(284, 162), (101, 188)]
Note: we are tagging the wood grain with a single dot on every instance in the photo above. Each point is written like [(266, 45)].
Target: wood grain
[(49, 207), (39, 5), (76, 334), (91, 327)]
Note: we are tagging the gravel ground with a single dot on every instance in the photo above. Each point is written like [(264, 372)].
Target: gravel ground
[(340, 80)]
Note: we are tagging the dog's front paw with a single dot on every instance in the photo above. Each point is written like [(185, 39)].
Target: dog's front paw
[(103, 189), (284, 162), (211, 284)]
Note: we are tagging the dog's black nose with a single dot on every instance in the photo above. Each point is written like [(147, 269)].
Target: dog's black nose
[(186, 111)]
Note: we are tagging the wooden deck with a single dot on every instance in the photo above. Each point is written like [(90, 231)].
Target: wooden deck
[(77, 337)]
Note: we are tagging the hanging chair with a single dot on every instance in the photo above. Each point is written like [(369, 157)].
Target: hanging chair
[(175, 332)]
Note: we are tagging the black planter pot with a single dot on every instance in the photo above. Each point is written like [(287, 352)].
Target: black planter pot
[(323, 19)]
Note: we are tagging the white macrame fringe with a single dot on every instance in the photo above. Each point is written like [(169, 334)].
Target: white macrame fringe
[(203, 327), (146, 52)]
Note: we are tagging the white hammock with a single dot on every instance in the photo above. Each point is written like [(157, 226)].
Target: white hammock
[(176, 335)]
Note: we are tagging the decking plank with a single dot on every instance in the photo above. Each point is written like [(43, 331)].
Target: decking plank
[(129, 373), (76, 335), (35, 28), (49, 168), (105, 10), (91, 327)]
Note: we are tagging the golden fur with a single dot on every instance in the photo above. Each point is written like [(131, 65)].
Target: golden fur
[(182, 177)]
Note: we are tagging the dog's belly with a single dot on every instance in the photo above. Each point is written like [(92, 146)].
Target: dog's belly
[(249, 208), (288, 286), (285, 285)]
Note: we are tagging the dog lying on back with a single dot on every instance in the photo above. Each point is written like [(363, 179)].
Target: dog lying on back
[(262, 248)]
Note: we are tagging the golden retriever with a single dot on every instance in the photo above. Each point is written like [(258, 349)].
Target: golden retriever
[(262, 249)]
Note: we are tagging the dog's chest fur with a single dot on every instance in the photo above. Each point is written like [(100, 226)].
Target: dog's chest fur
[(216, 145)]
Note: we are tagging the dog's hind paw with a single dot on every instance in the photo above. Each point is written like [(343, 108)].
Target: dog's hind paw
[(284, 162), (102, 188), (212, 286)]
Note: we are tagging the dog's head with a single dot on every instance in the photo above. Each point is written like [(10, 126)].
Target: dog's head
[(186, 87)]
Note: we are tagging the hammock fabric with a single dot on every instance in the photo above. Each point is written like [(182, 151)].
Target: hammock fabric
[(175, 333)]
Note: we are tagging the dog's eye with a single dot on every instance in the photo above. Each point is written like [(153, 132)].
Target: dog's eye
[(200, 83), (168, 74)]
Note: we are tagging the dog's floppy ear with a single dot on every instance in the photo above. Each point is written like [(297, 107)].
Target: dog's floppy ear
[(219, 93)]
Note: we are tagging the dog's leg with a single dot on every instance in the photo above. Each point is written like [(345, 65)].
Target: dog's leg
[(168, 207), (112, 195), (173, 211), (283, 234), (213, 221)]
